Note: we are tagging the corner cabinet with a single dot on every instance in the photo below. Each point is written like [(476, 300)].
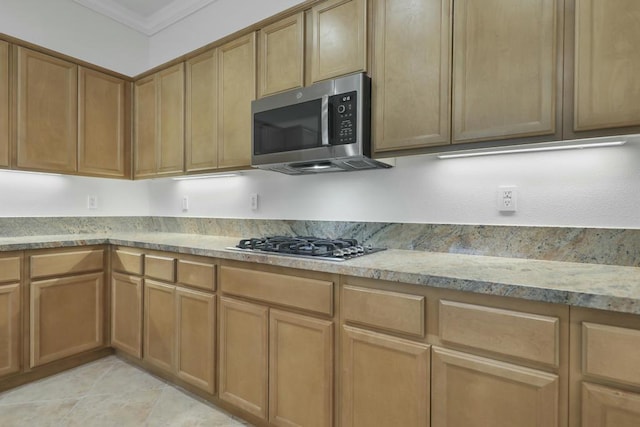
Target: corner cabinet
[(4, 104), (10, 314), (159, 123), (47, 112)]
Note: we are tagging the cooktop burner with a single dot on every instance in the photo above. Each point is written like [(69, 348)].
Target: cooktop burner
[(307, 247)]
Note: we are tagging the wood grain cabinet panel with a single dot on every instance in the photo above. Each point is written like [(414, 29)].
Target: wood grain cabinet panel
[(62, 263), (236, 90), (505, 69), (67, 317), (608, 407), (411, 67), (385, 380), (160, 267), (244, 352), (606, 82), (281, 55), (10, 326), (339, 40), (470, 391), (171, 116), (126, 314), (300, 370), (103, 142), (10, 269), (611, 353), (159, 325), (4, 104), (127, 262), (145, 127), (199, 274), (47, 112)]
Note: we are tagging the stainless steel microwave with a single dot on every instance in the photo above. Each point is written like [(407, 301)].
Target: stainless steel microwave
[(325, 127)]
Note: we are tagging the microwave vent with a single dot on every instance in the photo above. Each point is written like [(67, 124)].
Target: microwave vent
[(359, 164)]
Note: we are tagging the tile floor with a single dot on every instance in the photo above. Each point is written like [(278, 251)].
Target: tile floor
[(107, 392)]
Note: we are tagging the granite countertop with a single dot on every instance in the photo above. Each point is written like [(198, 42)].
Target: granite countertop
[(607, 287)]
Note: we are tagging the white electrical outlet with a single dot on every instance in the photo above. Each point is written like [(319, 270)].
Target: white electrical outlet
[(92, 202), (185, 203), (507, 198), (254, 202)]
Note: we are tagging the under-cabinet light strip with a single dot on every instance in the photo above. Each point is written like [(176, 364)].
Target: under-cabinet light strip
[(520, 149), (219, 175)]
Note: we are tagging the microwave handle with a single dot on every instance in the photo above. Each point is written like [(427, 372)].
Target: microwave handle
[(324, 117)]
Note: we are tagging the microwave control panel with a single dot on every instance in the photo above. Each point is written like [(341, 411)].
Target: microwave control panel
[(345, 118)]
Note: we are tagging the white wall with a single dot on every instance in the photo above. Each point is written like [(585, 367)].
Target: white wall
[(74, 30), (597, 187)]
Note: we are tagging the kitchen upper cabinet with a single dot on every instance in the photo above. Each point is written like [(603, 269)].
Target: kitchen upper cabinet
[(506, 73), (411, 74), (159, 324), (126, 314), (159, 123), (4, 104), (236, 90), (602, 59), (103, 117), (338, 38), (47, 112), (281, 55), (470, 391)]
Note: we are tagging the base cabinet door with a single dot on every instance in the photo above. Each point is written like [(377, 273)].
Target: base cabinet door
[(300, 370), (66, 317), (159, 324), (126, 314), (10, 319), (244, 355), (471, 391), (609, 407), (385, 380), (195, 338)]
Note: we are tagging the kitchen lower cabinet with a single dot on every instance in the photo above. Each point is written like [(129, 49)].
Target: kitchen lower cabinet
[(10, 327), (159, 324), (609, 407), (385, 380), (4, 104), (472, 391), (126, 314)]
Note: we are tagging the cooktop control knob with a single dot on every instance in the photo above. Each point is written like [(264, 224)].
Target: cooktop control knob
[(341, 108)]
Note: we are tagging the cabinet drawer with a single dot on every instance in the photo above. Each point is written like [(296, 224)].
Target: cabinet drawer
[(386, 310), (127, 262), (307, 294), (159, 267), (197, 274), (511, 333), (9, 269), (56, 264), (611, 353)]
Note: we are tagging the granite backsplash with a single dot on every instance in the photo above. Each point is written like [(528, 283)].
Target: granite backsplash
[(587, 245)]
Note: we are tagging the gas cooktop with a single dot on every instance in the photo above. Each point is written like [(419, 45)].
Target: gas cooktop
[(307, 247)]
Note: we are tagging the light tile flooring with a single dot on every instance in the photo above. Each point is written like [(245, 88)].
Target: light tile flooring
[(107, 392)]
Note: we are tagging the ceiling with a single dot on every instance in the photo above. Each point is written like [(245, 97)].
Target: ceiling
[(145, 16)]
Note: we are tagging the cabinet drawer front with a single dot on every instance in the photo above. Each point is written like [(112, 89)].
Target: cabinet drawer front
[(9, 269), (197, 274), (53, 264), (386, 310), (611, 352), (511, 333), (127, 262), (158, 267), (307, 294)]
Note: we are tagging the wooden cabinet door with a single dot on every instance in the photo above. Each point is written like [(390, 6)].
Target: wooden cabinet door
[(411, 66), (159, 324), (385, 380), (602, 62), (4, 104), (339, 40), (126, 314), (103, 143), (195, 338), (201, 143), (608, 407), (470, 391), (47, 112), (67, 317), (243, 355), (505, 69), (281, 55), (171, 116), (145, 127), (10, 319), (236, 90), (300, 370)]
